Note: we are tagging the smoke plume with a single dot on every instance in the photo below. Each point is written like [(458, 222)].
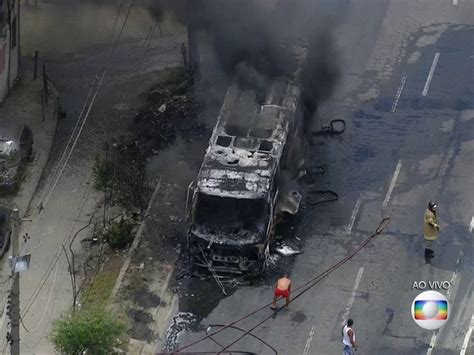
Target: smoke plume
[(251, 37)]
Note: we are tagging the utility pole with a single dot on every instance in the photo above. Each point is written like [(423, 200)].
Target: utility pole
[(15, 289)]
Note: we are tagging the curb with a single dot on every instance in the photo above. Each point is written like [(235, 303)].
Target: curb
[(135, 243), (55, 94)]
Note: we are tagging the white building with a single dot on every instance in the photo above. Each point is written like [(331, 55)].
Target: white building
[(9, 44)]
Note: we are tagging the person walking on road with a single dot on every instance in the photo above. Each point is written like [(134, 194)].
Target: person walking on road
[(430, 229), (348, 338), (282, 289)]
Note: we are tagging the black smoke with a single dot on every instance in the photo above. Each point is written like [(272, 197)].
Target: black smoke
[(320, 72), (252, 41)]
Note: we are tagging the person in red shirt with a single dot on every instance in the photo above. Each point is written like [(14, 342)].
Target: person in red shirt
[(282, 289)]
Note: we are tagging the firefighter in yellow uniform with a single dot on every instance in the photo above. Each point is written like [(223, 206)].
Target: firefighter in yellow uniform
[(430, 229)]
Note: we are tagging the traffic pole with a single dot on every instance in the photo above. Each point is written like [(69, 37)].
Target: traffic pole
[(15, 289)]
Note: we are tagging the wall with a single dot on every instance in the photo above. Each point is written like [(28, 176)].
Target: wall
[(8, 64)]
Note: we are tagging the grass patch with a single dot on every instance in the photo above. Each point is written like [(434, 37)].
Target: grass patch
[(100, 288)]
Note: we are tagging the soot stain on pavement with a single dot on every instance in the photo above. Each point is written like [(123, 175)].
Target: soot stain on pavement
[(140, 329), (146, 299), (298, 317)]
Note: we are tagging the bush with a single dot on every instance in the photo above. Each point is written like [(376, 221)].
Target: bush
[(122, 177), (119, 233), (94, 331), (100, 169)]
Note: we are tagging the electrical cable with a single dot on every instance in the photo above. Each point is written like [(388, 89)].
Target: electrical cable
[(45, 277), (331, 128), (318, 278), (242, 330), (61, 170), (99, 81), (305, 287), (48, 272), (312, 196), (91, 89)]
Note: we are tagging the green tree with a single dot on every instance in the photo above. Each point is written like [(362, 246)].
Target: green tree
[(93, 330)]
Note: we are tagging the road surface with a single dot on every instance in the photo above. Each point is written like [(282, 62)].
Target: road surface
[(407, 97)]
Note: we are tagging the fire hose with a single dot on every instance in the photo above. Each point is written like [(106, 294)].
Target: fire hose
[(313, 281)]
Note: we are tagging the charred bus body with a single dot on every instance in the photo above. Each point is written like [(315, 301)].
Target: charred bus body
[(243, 182)]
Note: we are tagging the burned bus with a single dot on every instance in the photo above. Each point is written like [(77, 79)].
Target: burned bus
[(244, 180)]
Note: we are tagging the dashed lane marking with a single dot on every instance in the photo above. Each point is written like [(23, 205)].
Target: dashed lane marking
[(430, 74), (455, 273), (465, 343), (455, 2), (353, 294), (471, 225), (354, 216), (399, 93), (432, 343), (392, 184), (310, 339), (448, 296)]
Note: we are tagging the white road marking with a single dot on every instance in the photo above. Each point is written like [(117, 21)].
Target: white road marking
[(399, 93), (448, 296), (354, 215), (432, 343), (310, 339), (392, 184), (465, 343), (455, 274), (430, 74), (471, 225), (455, 2), (353, 294)]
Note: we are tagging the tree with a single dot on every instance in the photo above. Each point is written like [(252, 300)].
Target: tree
[(94, 331)]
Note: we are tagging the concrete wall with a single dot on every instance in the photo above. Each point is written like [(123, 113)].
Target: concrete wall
[(9, 52)]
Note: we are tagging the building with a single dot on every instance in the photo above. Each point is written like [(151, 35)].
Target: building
[(9, 45)]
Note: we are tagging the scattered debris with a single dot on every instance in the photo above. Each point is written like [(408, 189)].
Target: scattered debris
[(285, 251), (162, 108)]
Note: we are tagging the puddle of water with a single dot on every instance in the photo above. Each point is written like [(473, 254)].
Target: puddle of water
[(181, 322)]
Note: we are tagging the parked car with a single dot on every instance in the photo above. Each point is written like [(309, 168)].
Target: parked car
[(16, 146), (5, 230)]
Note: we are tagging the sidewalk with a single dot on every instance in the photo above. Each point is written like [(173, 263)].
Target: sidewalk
[(23, 105)]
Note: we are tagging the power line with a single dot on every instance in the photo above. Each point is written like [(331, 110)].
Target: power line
[(99, 85), (313, 281), (94, 95)]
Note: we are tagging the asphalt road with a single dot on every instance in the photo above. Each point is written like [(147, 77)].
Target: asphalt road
[(407, 98)]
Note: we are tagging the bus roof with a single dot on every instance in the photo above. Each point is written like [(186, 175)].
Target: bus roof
[(246, 145)]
